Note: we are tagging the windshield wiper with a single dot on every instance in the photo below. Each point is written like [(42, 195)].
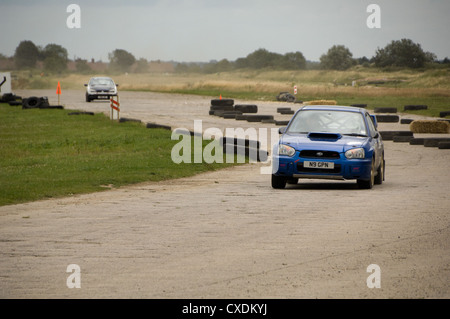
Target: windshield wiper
[(355, 134)]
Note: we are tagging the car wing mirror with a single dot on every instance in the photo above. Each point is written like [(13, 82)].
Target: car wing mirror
[(374, 120), (117, 84), (85, 84), (281, 130)]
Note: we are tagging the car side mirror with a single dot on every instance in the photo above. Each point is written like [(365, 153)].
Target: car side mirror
[(85, 84), (281, 130), (117, 84), (374, 120)]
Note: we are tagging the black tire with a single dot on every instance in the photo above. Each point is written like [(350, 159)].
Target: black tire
[(278, 182), (287, 112), (379, 178), (124, 119), (9, 97), (402, 139), (282, 109), (415, 107), (229, 115), (444, 145), (292, 181), (385, 110), (416, 141), (59, 107), (434, 142), (368, 184), (87, 98), (222, 102), (31, 102), (154, 125), (14, 103), (290, 98), (444, 113), (406, 121), (221, 108), (81, 113), (283, 123), (389, 135), (241, 117), (258, 118), (246, 108), (388, 118)]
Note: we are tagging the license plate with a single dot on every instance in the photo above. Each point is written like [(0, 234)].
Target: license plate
[(103, 96), (323, 165)]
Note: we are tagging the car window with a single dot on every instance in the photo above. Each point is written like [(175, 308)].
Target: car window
[(329, 122), (104, 82), (372, 129)]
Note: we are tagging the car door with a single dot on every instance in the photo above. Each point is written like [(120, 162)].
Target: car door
[(376, 141)]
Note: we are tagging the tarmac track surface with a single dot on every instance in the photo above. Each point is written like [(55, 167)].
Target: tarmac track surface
[(228, 234)]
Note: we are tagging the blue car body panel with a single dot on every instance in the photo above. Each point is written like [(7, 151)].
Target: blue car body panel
[(326, 148)]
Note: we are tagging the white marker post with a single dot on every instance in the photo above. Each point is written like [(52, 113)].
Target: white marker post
[(115, 108)]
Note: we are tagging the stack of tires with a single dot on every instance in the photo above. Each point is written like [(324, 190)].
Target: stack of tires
[(225, 108), (386, 118), (11, 99), (38, 103)]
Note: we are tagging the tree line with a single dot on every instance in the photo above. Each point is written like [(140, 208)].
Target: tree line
[(402, 53)]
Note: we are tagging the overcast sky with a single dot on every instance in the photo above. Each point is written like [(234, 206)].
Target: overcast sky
[(204, 30)]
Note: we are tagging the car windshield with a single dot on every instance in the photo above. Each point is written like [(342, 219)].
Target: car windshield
[(102, 82), (345, 123)]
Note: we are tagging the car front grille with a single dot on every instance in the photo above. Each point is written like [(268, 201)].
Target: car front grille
[(319, 154)]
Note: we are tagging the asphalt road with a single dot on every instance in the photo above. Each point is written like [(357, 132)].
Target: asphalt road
[(228, 234)]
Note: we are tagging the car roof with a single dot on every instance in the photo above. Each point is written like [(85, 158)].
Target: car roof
[(333, 108), (101, 77)]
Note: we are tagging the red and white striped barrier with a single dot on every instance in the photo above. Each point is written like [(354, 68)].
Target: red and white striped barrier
[(115, 108)]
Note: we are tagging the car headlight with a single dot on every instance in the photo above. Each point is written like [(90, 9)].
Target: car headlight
[(355, 153), (286, 150)]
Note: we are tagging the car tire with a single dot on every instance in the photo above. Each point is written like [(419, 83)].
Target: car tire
[(31, 103), (368, 184), (379, 178), (222, 102), (385, 110), (87, 98), (278, 182)]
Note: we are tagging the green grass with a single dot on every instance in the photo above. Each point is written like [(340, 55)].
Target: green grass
[(47, 153)]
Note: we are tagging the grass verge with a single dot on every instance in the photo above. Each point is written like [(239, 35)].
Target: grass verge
[(47, 153)]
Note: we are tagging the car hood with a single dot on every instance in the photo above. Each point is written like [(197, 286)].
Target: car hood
[(323, 141)]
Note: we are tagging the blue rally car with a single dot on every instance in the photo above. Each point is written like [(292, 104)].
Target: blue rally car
[(329, 142)]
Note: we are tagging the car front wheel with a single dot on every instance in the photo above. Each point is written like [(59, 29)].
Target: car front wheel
[(380, 173), (278, 182), (368, 184)]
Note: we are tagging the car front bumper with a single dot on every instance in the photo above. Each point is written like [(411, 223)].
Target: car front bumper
[(293, 167), (101, 96)]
